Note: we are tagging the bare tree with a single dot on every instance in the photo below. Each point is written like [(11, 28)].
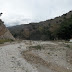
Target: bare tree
[(1, 14)]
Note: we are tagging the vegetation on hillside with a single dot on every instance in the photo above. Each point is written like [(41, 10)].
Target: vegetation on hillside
[(65, 30), (59, 28), (5, 40)]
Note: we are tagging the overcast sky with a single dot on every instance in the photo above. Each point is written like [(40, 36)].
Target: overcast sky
[(17, 12)]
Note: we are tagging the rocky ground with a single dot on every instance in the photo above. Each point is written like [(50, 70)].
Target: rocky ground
[(36, 56)]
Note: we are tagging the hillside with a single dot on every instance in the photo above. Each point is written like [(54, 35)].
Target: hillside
[(45, 30), (4, 32)]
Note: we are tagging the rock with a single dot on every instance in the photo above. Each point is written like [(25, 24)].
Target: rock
[(70, 40), (4, 32)]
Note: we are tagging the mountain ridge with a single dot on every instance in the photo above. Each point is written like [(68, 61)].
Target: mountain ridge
[(36, 28)]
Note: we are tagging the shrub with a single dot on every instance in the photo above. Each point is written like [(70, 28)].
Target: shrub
[(38, 47), (5, 40), (68, 46)]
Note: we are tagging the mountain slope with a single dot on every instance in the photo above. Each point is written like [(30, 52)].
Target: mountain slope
[(45, 30), (4, 32)]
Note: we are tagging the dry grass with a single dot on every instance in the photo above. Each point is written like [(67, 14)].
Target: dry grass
[(37, 47), (5, 40)]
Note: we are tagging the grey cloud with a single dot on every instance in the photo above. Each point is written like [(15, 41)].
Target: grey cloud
[(16, 11), (46, 9), (16, 21)]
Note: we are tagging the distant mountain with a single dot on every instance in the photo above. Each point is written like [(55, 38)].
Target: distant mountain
[(4, 32), (45, 30)]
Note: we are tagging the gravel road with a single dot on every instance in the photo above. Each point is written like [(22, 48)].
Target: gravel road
[(17, 57), (11, 59)]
